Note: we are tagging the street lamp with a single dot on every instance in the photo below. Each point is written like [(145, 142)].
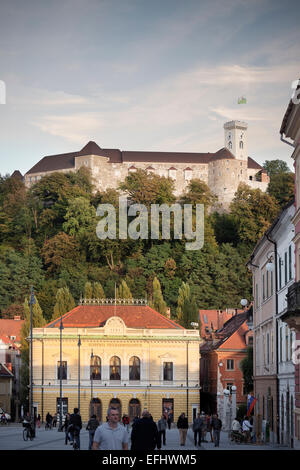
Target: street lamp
[(244, 303), (32, 302), (92, 356), (79, 344), (60, 376)]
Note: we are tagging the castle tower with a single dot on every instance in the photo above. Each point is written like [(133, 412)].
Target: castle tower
[(236, 139)]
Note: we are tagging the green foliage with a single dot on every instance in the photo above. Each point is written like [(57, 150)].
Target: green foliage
[(253, 211), (98, 291), (88, 290), (123, 291), (64, 302), (246, 366), (274, 167), (187, 310), (282, 187), (157, 302)]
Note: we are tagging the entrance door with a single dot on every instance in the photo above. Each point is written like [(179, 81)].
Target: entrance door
[(134, 408), (96, 409), (194, 412)]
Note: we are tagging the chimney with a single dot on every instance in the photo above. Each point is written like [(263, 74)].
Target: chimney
[(17, 318), (218, 317)]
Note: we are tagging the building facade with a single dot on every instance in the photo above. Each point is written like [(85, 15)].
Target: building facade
[(223, 170), (129, 356), (290, 129), (221, 354)]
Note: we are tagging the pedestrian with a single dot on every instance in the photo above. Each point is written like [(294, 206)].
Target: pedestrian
[(111, 435), (144, 435), (216, 425), (246, 428), (135, 420), (38, 421), (197, 428), (170, 419), (203, 426), (54, 420), (126, 421), (208, 427), (91, 427), (162, 426), (182, 425), (66, 427), (48, 421), (75, 426)]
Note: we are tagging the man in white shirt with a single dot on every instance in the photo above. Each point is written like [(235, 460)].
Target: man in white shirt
[(111, 435), (246, 428), (236, 427)]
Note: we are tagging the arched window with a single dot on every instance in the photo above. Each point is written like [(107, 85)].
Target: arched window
[(134, 368), (95, 368), (241, 145), (230, 145), (115, 368)]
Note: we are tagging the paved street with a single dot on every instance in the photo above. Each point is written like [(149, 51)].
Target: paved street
[(11, 438)]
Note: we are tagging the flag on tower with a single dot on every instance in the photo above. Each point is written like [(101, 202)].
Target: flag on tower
[(250, 404), (242, 100)]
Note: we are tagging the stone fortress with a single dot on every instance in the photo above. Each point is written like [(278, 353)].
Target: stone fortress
[(222, 171)]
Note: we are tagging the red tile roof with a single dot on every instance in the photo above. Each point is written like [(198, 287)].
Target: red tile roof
[(5, 372), (134, 316), (11, 328)]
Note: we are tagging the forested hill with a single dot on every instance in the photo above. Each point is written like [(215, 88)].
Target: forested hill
[(48, 240)]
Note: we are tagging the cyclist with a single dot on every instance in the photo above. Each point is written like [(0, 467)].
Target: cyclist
[(75, 425), (28, 423)]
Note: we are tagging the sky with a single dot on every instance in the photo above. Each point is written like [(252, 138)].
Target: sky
[(144, 75)]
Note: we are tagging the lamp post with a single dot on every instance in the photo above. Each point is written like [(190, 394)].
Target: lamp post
[(79, 344), (60, 376), (32, 302), (92, 356)]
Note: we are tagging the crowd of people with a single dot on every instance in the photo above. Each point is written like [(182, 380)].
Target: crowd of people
[(145, 433)]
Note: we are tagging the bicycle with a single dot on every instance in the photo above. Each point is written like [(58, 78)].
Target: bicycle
[(27, 433), (48, 426), (76, 440)]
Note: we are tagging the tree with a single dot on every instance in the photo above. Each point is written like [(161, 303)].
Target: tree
[(282, 187), (198, 192), (187, 310), (246, 366), (158, 302), (58, 249), (88, 290), (148, 188), (98, 291), (274, 167), (80, 217), (123, 291), (253, 211), (64, 302)]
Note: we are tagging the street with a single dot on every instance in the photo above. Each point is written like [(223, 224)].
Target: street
[(11, 438)]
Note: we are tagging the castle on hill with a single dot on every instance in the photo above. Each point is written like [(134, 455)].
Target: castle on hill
[(222, 171)]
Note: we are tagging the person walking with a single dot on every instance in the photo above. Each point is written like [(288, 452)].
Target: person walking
[(208, 427), (170, 419), (38, 421), (75, 426), (54, 420), (246, 428), (48, 420), (162, 426), (197, 430), (182, 425), (66, 427), (216, 425), (111, 435), (144, 434), (91, 427)]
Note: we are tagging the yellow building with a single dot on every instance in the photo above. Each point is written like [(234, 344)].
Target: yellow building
[(128, 355)]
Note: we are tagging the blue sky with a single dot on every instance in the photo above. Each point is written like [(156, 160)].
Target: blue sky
[(144, 75)]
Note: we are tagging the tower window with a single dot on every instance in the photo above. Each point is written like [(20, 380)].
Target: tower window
[(230, 145), (241, 145)]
